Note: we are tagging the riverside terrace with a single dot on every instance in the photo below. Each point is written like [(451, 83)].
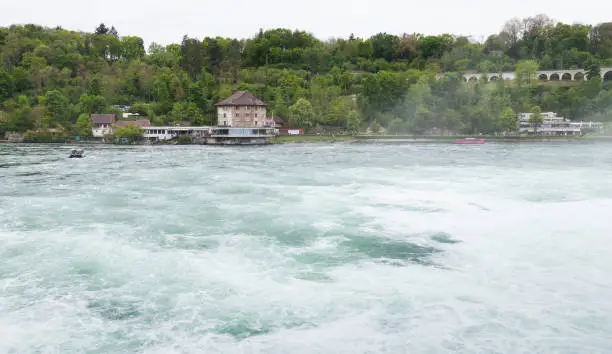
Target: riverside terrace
[(212, 135)]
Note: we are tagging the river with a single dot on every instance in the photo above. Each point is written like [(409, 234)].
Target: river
[(307, 248)]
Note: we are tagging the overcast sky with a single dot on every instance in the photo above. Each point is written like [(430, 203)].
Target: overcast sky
[(167, 21)]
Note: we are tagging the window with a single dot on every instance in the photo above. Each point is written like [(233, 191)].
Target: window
[(224, 115), (255, 115)]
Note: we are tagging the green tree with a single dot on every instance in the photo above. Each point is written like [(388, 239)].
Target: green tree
[(383, 90), (536, 118), (526, 72), (197, 95), (92, 104), (142, 109), (83, 125), (6, 85), (95, 87), (323, 95), (353, 121), (102, 29), (192, 57), (187, 112), (384, 46), (375, 127), (508, 121), (421, 121), (338, 112), (22, 118), (280, 108), (57, 109), (132, 48), (301, 114), (130, 132), (593, 70)]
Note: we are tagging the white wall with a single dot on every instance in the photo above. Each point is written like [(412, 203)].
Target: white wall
[(225, 115), (240, 116), (100, 130), (158, 133)]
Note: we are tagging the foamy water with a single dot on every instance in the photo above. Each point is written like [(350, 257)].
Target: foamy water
[(346, 248)]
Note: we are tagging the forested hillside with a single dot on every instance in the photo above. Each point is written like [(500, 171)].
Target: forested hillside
[(55, 78)]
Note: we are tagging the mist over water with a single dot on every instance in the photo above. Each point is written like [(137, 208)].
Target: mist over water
[(344, 248)]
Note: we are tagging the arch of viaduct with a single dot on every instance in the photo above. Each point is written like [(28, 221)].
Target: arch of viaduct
[(543, 75)]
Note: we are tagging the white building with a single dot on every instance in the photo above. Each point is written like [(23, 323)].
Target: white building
[(242, 110), (102, 124), (127, 115), (169, 132), (592, 126), (551, 125), (210, 135), (158, 133)]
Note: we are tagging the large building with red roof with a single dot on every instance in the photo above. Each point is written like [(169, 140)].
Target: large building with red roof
[(242, 110)]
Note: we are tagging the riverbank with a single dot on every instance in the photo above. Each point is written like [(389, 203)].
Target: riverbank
[(396, 139), (285, 139), (381, 139)]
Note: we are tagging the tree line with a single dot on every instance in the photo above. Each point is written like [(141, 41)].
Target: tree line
[(52, 79)]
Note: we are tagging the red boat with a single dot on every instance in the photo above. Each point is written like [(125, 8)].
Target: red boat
[(469, 141)]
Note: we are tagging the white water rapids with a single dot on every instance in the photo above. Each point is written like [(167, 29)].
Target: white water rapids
[(345, 248)]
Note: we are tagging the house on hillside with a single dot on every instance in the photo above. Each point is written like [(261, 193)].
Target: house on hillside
[(241, 110), (275, 122), (102, 124), (279, 123)]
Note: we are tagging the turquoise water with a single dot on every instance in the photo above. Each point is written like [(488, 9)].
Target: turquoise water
[(345, 248)]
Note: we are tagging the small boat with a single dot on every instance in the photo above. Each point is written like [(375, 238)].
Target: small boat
[(76, 153), (468, 141)]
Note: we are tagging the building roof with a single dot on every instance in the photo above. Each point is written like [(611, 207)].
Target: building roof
[(139, 123), (103, 118), (278, 120), (241, 98)]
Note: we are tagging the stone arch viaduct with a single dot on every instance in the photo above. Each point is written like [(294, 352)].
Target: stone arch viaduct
[(543, 75)]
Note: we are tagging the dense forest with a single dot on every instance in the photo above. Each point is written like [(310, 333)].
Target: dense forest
[(52, 79)]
